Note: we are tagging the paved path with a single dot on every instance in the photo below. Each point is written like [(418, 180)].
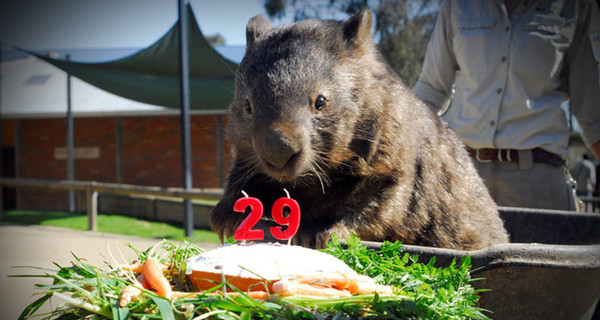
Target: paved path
[(40, 246)]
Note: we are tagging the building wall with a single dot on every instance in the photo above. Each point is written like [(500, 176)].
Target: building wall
[(150, 153)]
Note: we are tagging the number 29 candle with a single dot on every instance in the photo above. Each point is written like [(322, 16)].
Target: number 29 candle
[(292, 220), (245, 231)]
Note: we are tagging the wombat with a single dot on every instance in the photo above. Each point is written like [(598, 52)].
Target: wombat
[(318, 111)]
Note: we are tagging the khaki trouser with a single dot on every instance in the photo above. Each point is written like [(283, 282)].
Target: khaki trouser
[(527, 184)]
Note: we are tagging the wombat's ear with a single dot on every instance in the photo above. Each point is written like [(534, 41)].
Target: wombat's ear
[(357, 29), (256, 27)]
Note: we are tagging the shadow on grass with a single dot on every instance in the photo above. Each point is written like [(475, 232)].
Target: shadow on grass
[(28, 217), (109, 223)]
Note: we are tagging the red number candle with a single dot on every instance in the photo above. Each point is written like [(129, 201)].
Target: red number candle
[(245, 231), (292, 220)]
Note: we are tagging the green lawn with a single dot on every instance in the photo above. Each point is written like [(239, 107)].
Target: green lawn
[(109, 224)]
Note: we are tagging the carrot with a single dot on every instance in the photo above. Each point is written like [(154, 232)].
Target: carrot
[(138, 267), (133, 290), (154, 275), (336, 280), (130, 292), (354, 284), (256, 295), (353, 287), (371, 287), (143, 282), (292, 288)]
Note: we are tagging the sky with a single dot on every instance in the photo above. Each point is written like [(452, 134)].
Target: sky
[(68, 24)]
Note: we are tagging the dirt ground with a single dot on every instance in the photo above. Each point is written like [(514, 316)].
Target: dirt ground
[(40, 246)]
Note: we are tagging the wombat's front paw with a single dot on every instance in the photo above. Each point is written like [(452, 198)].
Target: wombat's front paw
[(225, 228), (319, 240)]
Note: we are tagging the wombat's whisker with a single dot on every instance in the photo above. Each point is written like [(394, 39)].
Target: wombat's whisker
[(240, 79), (233, 91), (227, 65), (249, 169), (316, 171)]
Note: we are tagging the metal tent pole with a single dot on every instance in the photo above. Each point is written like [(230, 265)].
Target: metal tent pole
[(185, 116), (70, 142), (119, 143), (1, 142), (220, 164)]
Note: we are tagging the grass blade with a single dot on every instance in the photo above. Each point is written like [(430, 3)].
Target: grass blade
[(34, 306), (164, 306), (120, 313), (83, 305)]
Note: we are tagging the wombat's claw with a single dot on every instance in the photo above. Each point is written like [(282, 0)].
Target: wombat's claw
[(226, 233), (322, 239), (315, 241)]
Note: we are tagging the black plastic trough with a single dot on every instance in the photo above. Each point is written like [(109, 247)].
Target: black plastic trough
[(550, 270)]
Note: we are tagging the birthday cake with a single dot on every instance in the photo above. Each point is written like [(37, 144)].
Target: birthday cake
[(257, 266)]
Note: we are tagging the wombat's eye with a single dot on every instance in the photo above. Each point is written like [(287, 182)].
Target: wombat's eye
[(320, 102), (248, 106)]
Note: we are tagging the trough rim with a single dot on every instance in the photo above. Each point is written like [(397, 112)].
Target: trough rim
[(514, 254)]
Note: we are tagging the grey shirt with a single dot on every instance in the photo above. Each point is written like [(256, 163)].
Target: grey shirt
[(505, 76)]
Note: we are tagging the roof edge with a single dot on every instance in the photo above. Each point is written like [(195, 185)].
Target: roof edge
[(109, 114)]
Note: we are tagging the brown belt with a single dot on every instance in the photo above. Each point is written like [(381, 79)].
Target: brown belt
[(512, 155)]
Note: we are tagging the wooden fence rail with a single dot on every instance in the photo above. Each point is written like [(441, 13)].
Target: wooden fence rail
[(92, 188)]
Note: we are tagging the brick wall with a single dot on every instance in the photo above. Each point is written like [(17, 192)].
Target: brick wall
[(150, 154)]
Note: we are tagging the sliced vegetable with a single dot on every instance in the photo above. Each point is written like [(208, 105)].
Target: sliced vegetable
[(257, 295), (294, 288)]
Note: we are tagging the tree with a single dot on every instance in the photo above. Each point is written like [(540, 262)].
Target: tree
[(402, 27), (215, 40)]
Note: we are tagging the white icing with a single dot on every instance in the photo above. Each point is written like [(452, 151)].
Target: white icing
[(267, 260)]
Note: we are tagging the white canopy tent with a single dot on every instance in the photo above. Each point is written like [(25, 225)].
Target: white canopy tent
[(32, 88)]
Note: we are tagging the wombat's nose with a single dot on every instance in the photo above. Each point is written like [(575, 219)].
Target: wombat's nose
[(277, 149)]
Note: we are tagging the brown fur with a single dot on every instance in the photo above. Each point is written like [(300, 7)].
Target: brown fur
[(317, 111)]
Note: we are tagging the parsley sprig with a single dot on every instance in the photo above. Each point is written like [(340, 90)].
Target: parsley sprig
[(434, 292)]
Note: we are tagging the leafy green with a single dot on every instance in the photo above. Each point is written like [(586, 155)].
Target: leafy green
[(432, 293), (422, 290)]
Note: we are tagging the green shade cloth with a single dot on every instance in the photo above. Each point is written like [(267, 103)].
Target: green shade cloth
[(152, 74)]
